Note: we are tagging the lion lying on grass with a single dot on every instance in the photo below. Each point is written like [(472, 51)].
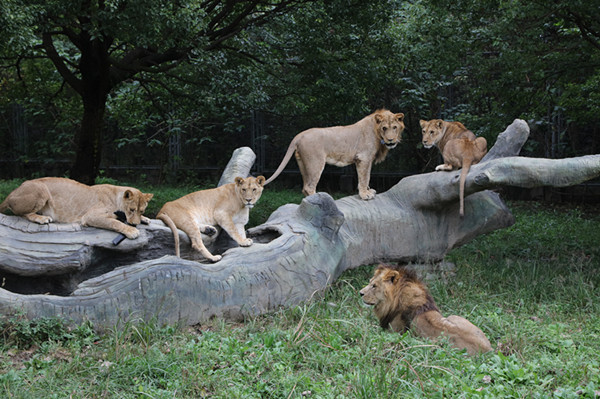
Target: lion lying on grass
[(401, 301), (362, 143), (61, 200)]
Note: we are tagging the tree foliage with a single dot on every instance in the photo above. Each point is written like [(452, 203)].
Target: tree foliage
[(124, 75)]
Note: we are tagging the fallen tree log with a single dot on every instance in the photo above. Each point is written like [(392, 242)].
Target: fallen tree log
[(297, 252)]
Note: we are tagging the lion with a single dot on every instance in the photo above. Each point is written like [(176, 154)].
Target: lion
[(460, 148), (227, 206), (401, 300), (362, 143), (62, 200)]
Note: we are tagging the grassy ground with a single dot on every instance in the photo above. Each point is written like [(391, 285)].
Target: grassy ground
[(532, 288)]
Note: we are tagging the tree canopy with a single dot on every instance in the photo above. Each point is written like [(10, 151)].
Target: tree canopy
[(93, 73)]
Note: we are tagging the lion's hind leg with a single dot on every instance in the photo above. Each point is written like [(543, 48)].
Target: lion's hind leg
[(28, 199), (195, 234), (311, 174)]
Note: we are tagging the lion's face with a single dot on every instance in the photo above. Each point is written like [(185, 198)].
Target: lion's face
[(432, 132), (134, 203), (389, 128), (249, 189), (382, 288)]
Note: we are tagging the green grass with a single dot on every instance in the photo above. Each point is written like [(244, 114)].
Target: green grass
[(532, 288)]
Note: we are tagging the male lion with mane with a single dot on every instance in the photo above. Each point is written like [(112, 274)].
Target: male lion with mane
[(459, 146), (61, 200), (202, 211), (362, 143), (401, 300)]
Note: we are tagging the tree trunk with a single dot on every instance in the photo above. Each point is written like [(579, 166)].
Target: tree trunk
[(298, 252), (88, 145), (95, 86)]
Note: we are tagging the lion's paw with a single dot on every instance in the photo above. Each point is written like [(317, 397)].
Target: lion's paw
[(246, 243), (209, 231), (367, 195), (131, 232), (215, 258), (145, 220), (44, 219), (39, 219)]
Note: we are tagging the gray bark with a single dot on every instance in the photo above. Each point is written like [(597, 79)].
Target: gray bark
[(297, 252)]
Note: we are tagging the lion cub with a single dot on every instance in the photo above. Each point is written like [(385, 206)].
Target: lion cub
[(61, 200), (199, 212), (460, 148), (401, 300)]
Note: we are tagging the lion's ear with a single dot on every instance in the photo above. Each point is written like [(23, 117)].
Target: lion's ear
[(400, 116), (440, 124), (392, 276), (378, 118), (260, 180), (127, 194), (422, 123), (148, 197), (239, 181)]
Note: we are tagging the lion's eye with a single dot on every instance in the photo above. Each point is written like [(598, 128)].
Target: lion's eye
[(132, 210), (385, 128)]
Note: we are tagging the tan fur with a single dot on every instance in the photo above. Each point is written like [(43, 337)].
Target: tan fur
[(61, 200), (401, 301), (362, 143), (460, 148), (200, 212)]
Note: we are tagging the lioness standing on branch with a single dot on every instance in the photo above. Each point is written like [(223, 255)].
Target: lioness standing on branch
[(362, 143), (459, 146), (401, 301), (200, 212), (61, 200)]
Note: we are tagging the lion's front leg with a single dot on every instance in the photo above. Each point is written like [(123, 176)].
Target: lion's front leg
[(363, 169), (236, 232), (108, 221)]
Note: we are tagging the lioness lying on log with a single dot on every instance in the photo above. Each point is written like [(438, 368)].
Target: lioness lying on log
[(459, 146), (200, 212), (401, 301), (61, 200), (362, 143)]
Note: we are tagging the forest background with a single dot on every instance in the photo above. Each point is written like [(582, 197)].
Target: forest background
[(166, 90)]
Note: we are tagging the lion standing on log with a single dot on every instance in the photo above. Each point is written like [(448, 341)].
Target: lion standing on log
[(459, 146), (201, 212), (362, 143), (401, 301)]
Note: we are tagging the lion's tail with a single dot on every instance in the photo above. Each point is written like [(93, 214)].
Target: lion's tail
[(284, 162), (165, 218), (463, 178)]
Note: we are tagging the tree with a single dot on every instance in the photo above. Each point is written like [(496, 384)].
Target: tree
[(99, 45)]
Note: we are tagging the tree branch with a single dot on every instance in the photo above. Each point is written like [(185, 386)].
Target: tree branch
[(57, 60)]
